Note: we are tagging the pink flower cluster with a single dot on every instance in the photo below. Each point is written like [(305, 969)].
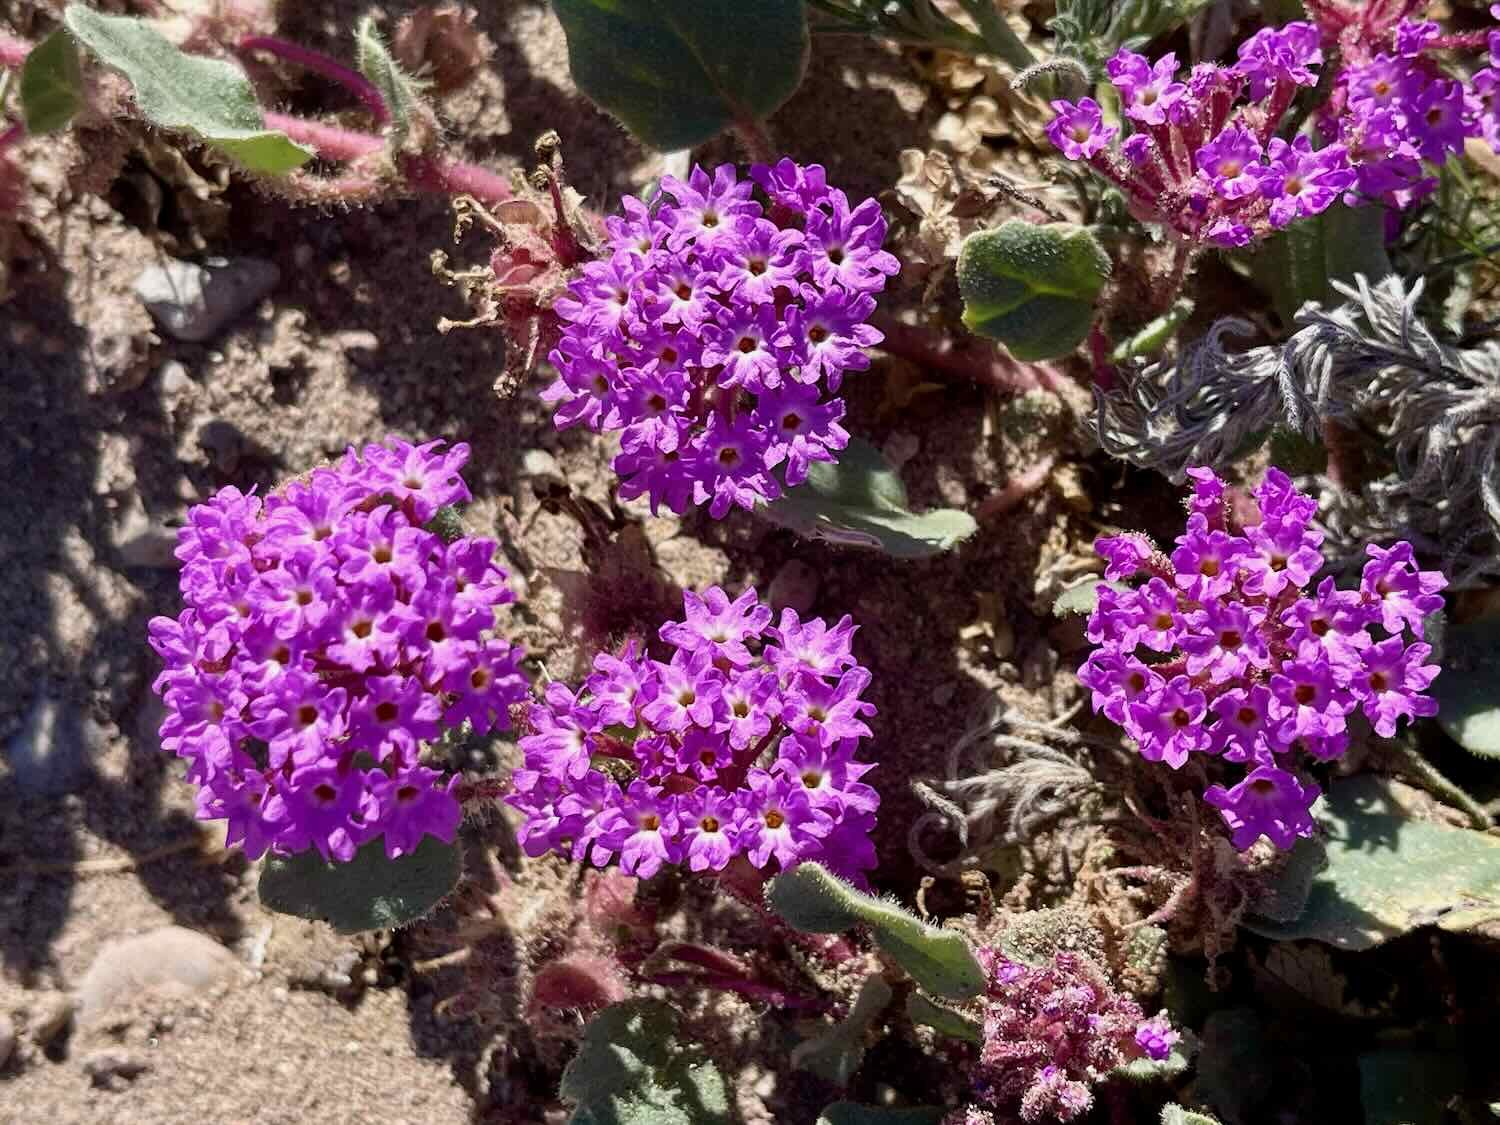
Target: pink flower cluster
[(1051, 1033), (717, 332), (1221, 651), (1203, 156), (327, 636), (742, 743)]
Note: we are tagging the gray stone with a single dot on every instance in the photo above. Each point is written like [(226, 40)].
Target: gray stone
[(7, 1039), (794, 587), (170, 962), (539, 463), (224, 442), (143, 542), (194, 302), (114, 1067), (50, 754), (174, 380)]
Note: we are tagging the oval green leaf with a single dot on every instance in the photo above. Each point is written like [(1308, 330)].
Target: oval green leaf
[(861, 502), (678, 72), (370, 892), (1032, 286), (210, 98), (1468, 708), (51, 84)]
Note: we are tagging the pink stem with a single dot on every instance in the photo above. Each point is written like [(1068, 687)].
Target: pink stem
[(319, 63), (12, 135), (331, 142), (449, 177), (966, 359), (1017, 490), (13, 52)]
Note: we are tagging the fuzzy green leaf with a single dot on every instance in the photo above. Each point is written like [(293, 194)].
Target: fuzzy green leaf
[(852, 1113), (210, 98), (51, 84), (944, 1021), (1032, 286), (861, 502), (816, 902), (1082, 598), (1468, 708), (1388, 873), (1174, 1114), (678, 72), (633, 1069), (397, 88), (370, 892)]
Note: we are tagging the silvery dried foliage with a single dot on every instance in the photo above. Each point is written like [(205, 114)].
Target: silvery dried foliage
[(1371, 365)]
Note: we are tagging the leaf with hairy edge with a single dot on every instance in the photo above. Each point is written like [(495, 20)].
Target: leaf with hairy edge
[(210, 98), (944, 1021), (835, 1054), (51, 84), (1388, 873), (370, 892), (861, 502), (678, 72), (1032, 286), (815, 901), (633, 1068), (397, 89)]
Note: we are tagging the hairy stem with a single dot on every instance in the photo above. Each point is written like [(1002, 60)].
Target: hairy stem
[(1017, 490), (319, 63), (13, 51), (754, 990), (973, 360)]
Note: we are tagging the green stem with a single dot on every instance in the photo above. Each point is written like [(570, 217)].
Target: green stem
[(1432, 779)]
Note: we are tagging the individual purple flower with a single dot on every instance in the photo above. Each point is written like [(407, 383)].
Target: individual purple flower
[(1300, 182), (1171, 723), (1223, 641), (1079, 131), (742, 743), (1280, 56), (327, 637), (707, 307), (1231, 162), (1149, 91), (1156, 1037), (1403, 595), (1270, 802), (1390, 683)]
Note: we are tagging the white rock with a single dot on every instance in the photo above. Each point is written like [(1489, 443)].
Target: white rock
[(171, 962), (50, 755), (194, 302)]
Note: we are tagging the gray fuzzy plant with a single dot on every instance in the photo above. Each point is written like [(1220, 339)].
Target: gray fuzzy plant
[(1370, 366)]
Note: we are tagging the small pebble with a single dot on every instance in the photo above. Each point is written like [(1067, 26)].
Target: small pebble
[(7, 1039), (170, 960), (50, 1019), (224, 442), (51, 754), (143, 542), (194, 302), (113, 1067), (174, 380)]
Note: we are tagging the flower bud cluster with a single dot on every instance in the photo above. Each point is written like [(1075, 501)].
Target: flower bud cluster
[(327, 636), (716, 333), (1222, 651), (741, 743), (1203, 156), (1051, 1033)]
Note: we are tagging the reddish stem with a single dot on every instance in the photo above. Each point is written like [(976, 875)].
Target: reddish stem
[(449, 177), (13, 52), (965, 359), (12, 135), (331, 142), (319, 63), (1017, 490)]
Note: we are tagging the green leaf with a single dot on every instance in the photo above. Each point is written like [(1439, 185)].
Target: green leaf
[(632, 1068), (1175, 1065), (370, 892), (836, 1053), (1174, 1114), (1301, 263), (851, 1113), (1401, 1086), (678, 72), (1156, 334), (51, 84), (1032, 286), (210, 98), (1468, 706), (397, 89), (816, 902), (945, 1021), (1388, 873), (861, 502)]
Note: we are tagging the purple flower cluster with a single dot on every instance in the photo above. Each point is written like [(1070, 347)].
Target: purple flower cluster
[(327, 636), (1051, 1033), (717, 331), (741, 744), (1401, 114), (1223, 651), (1203, 157)]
